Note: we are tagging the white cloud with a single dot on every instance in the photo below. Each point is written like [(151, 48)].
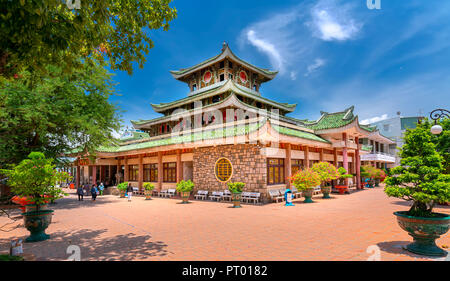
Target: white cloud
[(374, 119), (318, 63), (266, 47), (331, 22), (289, 38)]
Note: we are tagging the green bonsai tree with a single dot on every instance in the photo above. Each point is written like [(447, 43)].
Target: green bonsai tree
[(149, 186), (305, 179), (185, 186), (343, 174), (420, 177), (326, 171), (36, 179), (235, 187), (122, 186)]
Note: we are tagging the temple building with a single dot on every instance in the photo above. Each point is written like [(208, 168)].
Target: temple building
[(225, 130)]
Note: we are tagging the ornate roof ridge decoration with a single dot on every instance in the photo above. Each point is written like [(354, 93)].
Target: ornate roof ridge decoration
[(229, 85), (226, 53)]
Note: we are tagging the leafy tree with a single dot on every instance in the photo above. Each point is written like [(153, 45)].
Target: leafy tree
[(419, 178), (56, 113), (36, 33), (442, 141), (305, 179), (326, 171), (36, 178)]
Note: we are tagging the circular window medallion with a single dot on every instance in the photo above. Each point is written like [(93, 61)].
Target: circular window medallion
[(243, 76), (223, 170), (207, 76)]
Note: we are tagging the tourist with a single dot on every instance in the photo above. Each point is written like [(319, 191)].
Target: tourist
[(80, 193), (94, 192), (100, 188), (129, 191)]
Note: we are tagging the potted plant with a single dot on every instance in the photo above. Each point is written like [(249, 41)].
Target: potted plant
[(342, 186), (327, 172), (148, 188), (36, 180), (185, 188), (379, 177), (305, 181), (236, 190), (420, 179), (122, 187)]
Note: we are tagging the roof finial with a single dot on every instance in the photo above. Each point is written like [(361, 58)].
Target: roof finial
[(224, 45)]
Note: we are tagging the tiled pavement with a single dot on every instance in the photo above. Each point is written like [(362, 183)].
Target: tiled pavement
[(341, 228)]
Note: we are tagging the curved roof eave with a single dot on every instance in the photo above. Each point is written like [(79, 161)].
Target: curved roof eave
[(226, 53), (230, 85)]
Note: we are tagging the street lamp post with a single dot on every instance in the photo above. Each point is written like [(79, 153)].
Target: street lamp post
[(437, 115)]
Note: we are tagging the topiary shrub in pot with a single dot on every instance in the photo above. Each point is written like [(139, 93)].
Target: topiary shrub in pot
[(236, 191), (305, 181), (185, 188), (342, 187), (36, 180), (420, 180), (148, 188), (327, 172), (122, 187)]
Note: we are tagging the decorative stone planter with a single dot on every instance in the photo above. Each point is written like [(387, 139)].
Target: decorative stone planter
[(326, 190), (148, 194), (308, 194), (342, 189), (122, 193), (236, 198), (424, 231), (37, 223), (185, 196)]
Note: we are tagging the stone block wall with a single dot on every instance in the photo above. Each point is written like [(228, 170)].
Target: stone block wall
[(249, 166)]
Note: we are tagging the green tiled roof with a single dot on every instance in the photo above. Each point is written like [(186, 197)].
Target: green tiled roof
[(333, 120), (136, 136), (298, 133), (289, 107), (366, 147), (185, 70), (206, 135)]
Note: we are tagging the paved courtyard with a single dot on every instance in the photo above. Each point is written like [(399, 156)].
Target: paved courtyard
[(341, 228)]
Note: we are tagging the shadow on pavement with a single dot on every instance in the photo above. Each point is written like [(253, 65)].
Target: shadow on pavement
[(94, 246), (396, 247)]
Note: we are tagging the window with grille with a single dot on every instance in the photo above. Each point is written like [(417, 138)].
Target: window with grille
[(223, 170), (296, 165), (151, 173), (133, 172), (275, 171), (170, 172)]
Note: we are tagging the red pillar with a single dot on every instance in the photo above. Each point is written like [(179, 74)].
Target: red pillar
[(345, 155), (288, 164), (306, 157), (141, 172), (179, 166), (126, 171), (94, 174), (358, 165), (77, 182), (160, 170)]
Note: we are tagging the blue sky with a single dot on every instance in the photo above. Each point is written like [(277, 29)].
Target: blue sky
[(331, 54)]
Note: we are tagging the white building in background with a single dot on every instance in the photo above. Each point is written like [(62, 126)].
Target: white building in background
[(394, 128)]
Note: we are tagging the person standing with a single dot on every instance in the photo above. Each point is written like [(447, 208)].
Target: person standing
[(100, 188), (94, 192), (80, 193), (129, 191)]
